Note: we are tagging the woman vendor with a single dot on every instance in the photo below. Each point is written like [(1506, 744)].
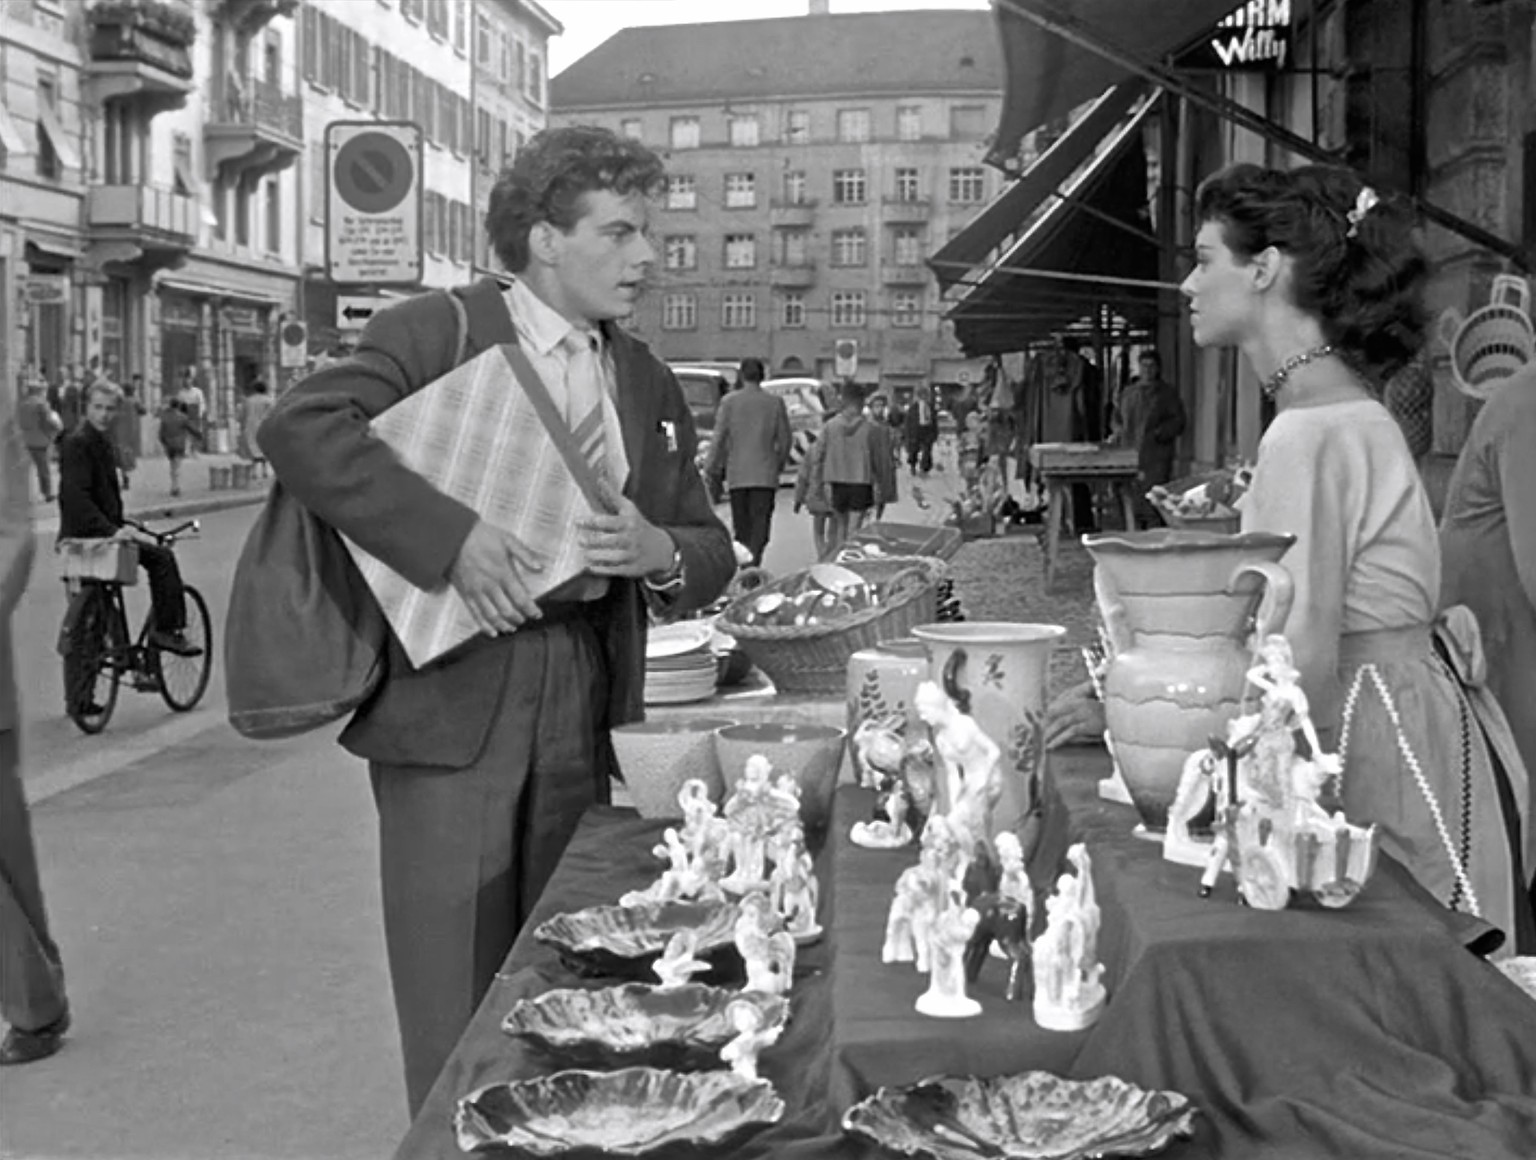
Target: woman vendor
[(1318, 282)]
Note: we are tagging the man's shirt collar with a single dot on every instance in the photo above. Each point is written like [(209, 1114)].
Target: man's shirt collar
[(543, 327)]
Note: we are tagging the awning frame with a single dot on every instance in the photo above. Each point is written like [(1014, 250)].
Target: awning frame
[(1072, 30), (68, 155)]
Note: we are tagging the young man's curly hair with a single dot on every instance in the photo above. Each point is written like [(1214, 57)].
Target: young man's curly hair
[(549, 175)]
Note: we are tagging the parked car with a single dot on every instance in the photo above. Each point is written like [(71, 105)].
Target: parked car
[(703, 388), (803, 400)]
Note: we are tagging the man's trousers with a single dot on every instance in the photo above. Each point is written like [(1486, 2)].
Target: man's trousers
[(31, 978), (752, 518), (465, 853)]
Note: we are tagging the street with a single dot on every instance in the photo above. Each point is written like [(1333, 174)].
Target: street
[(216, 903)]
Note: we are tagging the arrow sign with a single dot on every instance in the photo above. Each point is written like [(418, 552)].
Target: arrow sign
[(353, 311)]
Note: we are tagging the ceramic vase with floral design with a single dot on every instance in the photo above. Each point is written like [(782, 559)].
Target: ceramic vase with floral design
[(1179, 608), (881, 681), (1004, 667)]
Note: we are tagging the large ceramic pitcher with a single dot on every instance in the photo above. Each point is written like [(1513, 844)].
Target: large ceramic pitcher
[(1004, 667), (1179, 607)]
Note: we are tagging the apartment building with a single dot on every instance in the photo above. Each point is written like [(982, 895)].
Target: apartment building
[(814, 163)]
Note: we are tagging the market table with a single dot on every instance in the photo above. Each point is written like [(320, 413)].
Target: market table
[(1063, 464), (1363, 1032)]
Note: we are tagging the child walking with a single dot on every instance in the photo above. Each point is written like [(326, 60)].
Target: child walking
[(177, 431), (849, 468), (811, 492)]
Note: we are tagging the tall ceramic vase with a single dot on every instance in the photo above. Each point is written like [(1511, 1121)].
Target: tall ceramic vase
[(881, 681), (1005, 668), (1179, 608)]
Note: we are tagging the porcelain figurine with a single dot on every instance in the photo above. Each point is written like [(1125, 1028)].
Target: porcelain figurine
[(970, 761), (679, 962), (748, 812), (746, 1019), (795, 893), (945, 997), (1004, 928), (681, 881), (909, 923), (767, 950), (705, 833), (889, 830), (880, 749), (1069, 987)]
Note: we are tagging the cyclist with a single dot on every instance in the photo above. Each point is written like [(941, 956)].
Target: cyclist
[(91, 507)]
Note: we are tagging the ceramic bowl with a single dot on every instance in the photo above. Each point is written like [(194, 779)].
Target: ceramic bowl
[(813, 753), (1031, 1116), (657, 756), (682, 1027), (634, 1112), (627, 940)]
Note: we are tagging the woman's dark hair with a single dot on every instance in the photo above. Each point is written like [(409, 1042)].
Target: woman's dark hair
[(1362, 279), (546, 181)]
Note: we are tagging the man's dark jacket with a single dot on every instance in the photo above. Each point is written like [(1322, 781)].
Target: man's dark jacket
[(318, 442), (90, 501)]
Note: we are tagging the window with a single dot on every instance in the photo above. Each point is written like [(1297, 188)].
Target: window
[(849, 248), (317, 187), (848, 186), (685, 133), (47, 101), (181, 163), (630, 128), (681, 252), (744, 131), (797, 127), (853, 125), (437, 18), (460, 26), (219, 196), (795, 187), (482, 40), (242, 212), (274, 237), (792, 310), (682, 193), (848, 308), (907, 246), (968, 122), (740, 251), (967, 184), (310, 38), (534, 78), (909, 122), (907, 308), (908, 186), (432, 214), (792, 247), (738, 312), (679, 312), (740, 190), (412, 9)]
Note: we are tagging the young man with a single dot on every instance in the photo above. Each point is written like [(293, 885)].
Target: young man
[(91, 507), (751, 446), (482, 763)]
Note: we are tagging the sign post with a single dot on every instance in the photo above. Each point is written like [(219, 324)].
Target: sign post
[(373, 203)]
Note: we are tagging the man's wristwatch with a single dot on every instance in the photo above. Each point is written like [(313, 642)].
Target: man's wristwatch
[(671, 579)]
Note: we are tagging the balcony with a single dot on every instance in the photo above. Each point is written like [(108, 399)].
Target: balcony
[(907, 210), (791, 213), (254, 128), (248, 17), (793, 275), (901, 274), (139, 50), (139, 225)]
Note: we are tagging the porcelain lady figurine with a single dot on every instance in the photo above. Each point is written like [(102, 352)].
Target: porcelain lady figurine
[(945, 997), (1069, 988), (796, 893), (971, 761), (909, 923), (746, 1019), (1283, 711)]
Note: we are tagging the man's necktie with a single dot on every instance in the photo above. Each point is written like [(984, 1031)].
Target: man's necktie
[(584, 391)]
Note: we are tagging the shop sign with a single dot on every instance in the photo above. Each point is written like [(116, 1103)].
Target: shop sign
[(1256, 36), (243, 318), (180, 313), (46, 289), (111, 326)]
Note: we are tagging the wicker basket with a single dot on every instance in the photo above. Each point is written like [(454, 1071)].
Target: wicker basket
[(813, 658), (112, 561), (1491, 343)]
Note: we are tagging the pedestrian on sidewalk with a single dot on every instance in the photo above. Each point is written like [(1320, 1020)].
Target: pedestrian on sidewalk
[(40, 425), (811, 493), (849, 465), (177, 435), (70, 405), (922, 430), (33, 1003), (194, 401), (1150, 417), (253, 412), (482, 763), (750, 449), (884, 437), (128, 430)]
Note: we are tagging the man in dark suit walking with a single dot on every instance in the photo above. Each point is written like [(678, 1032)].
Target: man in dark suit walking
[(482, 763), (750, 449)]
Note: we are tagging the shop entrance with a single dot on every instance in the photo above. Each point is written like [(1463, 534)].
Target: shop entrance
[(178, 354)]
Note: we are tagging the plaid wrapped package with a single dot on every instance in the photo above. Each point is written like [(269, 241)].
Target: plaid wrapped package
[(477, 436)]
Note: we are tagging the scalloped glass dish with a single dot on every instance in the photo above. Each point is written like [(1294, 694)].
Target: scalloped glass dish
[(1031, 1116), (634, 1112), (627, 940), (683, 1027)]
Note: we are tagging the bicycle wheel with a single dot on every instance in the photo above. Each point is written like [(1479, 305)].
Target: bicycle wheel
[(184, 680), (92, 664)]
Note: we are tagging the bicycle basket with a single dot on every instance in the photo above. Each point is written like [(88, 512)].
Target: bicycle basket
[(1493, 342), (113, 561)]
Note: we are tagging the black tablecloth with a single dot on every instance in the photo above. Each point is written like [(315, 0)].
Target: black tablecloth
[(1363, 1032)]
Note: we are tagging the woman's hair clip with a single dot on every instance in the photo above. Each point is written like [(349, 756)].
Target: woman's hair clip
[(1363, 205)]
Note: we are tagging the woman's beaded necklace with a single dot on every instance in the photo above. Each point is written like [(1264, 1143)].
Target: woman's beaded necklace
[(1275, 381)]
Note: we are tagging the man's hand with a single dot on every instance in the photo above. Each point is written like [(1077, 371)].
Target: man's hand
[(132, 535), (1074, 717), (622, 542), (489, 574)]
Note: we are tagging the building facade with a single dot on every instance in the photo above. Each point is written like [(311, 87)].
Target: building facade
[(813, 164)]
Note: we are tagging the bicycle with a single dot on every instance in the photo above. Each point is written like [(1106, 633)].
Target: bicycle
[(98, 654)]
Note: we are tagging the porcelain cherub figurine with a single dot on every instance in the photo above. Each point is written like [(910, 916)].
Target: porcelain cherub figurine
[(679, 962), (766, 949), (1014, 884), (796, 893), (889, 829), (1069, 987), (705, 833), (945, 997), (751, 812), (681, 881), (971, 762), (746, 1019)]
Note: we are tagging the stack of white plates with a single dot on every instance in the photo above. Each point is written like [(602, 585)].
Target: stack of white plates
[(680, 665)]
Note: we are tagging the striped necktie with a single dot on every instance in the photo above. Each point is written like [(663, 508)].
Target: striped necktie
[(584, 390)]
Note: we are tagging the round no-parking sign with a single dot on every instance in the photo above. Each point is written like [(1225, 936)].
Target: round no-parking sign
[(374, 172), (373, 207)]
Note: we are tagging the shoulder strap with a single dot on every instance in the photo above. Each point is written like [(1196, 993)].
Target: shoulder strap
[(565, 443), (490, 323), (461, 325)]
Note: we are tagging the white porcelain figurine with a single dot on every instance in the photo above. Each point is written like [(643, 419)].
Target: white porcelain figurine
[(1069, 986), (945, 997), (679, 962), (971, 761), (767, 950), (746, 1019)]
